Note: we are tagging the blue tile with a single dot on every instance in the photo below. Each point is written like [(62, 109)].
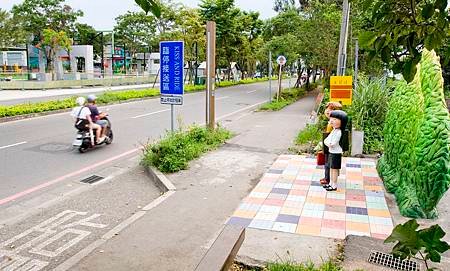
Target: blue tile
[(356, 211), (280, 191), (275, 171), (353, 165), (244, 222), (288, 219)]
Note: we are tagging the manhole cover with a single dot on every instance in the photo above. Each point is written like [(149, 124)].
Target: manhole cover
[(388, 260), (53, 148), (92, 179)]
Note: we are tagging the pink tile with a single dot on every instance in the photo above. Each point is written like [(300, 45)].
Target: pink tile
[(334, 224), (274, 202), (355, 197), (295, 192), (336, 202), (379, 236), (310, 221)]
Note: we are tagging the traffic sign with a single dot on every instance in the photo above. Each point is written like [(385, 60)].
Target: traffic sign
[(341, 88), (281, 60), (172, 71)]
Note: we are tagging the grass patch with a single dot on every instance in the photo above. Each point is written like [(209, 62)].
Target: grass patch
[(103, 99), (287, 97), (173, 153), (292, 266), (312, 134)]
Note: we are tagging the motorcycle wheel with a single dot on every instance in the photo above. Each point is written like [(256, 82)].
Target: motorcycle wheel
[(110, 138)]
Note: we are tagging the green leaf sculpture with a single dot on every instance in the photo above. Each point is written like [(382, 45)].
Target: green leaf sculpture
[(416, 162)]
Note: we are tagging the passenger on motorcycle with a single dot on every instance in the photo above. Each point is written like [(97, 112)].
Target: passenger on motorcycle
[(82, 116)]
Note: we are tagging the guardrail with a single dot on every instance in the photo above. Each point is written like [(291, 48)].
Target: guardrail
[(107, 81)]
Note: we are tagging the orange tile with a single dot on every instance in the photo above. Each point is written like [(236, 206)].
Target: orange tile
[(262, 189), (295, 192), (373, 188), (254, 200), (316, 200), (381, 213), (309, 230), (354, 176), (359, 227), (244, 214), (291, 211)]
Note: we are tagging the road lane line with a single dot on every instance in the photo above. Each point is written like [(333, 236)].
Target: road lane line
[(251, 91), (152, 113), (57, 180), (240, 110), (13, 145), (222, 98)]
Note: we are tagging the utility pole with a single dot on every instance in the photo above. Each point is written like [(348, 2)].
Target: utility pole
[(342, 56), (210, 73)]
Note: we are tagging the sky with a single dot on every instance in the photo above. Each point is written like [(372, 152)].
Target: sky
[(101, 13)]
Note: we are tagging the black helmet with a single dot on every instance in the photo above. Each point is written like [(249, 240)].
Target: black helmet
[(341, 115)]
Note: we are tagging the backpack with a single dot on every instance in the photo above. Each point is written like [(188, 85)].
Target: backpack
[(81, 124)]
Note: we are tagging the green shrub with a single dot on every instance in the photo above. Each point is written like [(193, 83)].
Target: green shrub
[(173, 153), (368, 111)]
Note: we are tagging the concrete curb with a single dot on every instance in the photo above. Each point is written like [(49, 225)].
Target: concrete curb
[(161, 181)]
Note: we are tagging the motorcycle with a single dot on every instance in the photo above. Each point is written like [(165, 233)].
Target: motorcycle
[(86, 137)]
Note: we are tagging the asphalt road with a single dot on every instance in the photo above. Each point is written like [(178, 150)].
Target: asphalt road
[(36, 154)]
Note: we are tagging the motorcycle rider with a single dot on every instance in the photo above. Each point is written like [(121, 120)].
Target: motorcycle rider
[(97, 117)]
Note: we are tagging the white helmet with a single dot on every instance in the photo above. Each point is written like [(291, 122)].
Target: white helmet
[(80, 101)]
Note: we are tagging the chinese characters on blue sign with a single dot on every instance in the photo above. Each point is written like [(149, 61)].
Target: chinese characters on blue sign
[(172, 71)]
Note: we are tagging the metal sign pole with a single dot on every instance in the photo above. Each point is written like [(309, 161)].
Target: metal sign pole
[(211, 71), (270, 77), (172, 124)]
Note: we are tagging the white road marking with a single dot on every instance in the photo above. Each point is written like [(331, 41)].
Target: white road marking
[(13, 145), (251, 91), (152, 113), (222, 98), (240, 110), (41, 236)]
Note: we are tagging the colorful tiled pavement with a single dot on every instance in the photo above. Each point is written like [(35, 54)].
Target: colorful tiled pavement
[(289, 198)]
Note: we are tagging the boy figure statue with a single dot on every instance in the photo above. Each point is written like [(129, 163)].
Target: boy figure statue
[(330, 107), (338, 120)]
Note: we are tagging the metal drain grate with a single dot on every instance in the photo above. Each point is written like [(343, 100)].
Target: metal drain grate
[(390, 261), (92, 179)]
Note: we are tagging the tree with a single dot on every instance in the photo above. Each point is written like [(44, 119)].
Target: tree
[(284, 5), (11, 33), (399, 30), (37, 15), (52, 43), (135, 30), (226, 15)]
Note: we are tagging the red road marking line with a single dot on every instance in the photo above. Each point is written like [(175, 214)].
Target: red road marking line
[(41, 186)]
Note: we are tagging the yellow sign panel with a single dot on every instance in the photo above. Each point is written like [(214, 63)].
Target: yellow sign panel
[(341, 88)]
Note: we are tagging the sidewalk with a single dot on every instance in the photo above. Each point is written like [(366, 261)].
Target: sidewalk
[(176, 234)]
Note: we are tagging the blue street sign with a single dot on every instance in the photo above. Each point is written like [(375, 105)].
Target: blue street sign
[(172, 71)]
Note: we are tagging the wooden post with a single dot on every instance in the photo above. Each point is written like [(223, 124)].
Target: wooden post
[(210, 73)]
